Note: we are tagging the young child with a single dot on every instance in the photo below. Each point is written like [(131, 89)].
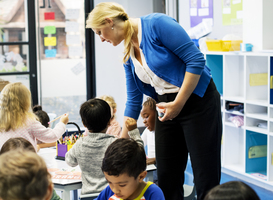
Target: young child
[(148, 113), (124, 167), (24, 175), (22, 144), (18, 120), (114, 128), (232, 190), (88, 151), (44, 119)]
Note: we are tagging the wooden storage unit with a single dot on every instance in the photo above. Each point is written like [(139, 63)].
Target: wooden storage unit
[(245, 77)]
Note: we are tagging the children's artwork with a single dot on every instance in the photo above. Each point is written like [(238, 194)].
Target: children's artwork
[(75, 51), (49, 15), (72, 13), (73, 39), (49, 30), (232, 12), (200, 10), (71, 26), (50, 41), (258, 79), (50, 53), (69, 173)]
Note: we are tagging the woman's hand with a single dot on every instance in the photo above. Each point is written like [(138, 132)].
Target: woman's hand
[(170, 110), (150, 161), (131, 124)]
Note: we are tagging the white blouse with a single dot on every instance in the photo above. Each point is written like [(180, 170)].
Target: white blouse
[(146, 75)]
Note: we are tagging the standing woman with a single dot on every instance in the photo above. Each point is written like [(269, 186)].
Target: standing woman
[(161, 61)]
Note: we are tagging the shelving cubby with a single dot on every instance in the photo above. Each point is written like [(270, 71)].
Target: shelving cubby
[(245, 77)]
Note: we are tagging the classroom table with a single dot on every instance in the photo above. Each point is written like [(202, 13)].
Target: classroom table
[(67, 185)]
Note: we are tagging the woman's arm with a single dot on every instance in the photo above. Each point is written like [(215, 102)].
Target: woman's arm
[(172, 109)]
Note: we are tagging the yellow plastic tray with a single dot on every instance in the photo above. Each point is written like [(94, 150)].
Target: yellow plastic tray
[(223, 45)]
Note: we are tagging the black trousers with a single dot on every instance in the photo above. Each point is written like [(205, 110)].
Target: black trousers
[(197, 130)]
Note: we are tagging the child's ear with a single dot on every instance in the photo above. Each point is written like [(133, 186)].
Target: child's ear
[(49, 192), (114, 111), (142, 175)]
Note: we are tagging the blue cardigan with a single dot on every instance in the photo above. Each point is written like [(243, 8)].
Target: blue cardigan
[(169, 53)]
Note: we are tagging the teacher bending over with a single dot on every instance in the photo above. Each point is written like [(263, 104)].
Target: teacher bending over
[(161, 61)]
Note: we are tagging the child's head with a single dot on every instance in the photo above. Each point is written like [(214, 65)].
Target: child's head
[(42, 115), (96, 115), (24, 175), (148, 113), (111, 101), (233, 190), (124, 167), (17, 143), (15, 106)]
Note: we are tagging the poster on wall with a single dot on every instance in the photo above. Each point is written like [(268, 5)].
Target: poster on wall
[(232, 12), (200, 11)]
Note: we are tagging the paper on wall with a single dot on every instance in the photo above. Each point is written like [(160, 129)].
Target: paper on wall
[(73, 39), (75, 51), (72, 13), (71, 26), (77, 69)]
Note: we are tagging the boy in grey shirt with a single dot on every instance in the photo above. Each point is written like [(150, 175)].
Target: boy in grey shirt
[(88, 152)]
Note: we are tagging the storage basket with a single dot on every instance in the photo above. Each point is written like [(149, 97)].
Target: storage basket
[(223, 45), (62, 149)]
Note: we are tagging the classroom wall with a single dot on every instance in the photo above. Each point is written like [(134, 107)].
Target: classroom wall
[(110, 75), (218, 30)]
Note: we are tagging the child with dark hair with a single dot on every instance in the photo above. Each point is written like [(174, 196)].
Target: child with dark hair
[(124, 167), (44, 119), (88, 151), (20, 143), (232, 190)]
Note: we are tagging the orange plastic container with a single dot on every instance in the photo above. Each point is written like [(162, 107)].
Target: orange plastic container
[(223, 45)]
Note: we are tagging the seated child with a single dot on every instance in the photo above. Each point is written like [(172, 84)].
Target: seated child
[(232, 190), (114, 128), (148, 113), (18, 119), (44, 119), (124, 167), (22, 144), (24, 175), (88, 151)]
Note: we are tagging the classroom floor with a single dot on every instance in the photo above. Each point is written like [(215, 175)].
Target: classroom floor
[(262, 193)]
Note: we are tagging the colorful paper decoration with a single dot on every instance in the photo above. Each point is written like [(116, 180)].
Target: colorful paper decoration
[(49, 30), (50, 41), (50, 53), (49, 15)]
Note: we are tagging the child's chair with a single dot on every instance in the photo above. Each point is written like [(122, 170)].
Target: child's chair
[(92, 196)]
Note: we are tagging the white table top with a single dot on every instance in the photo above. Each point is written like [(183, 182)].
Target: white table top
[(49, 154)]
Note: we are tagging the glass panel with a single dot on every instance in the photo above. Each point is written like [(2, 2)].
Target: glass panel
[(13, 58), (63, 75), (4, 80), (13, 21)]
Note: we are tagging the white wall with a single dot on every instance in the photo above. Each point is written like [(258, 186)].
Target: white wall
[(110, 75), (218, 30)]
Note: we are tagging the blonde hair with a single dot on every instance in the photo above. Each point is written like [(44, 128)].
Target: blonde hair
[(97, 19), (15, 106), (110, 100), (23, 175)]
